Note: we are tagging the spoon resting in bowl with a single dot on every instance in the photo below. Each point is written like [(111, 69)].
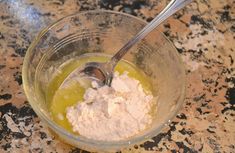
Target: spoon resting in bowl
[(102, 73)]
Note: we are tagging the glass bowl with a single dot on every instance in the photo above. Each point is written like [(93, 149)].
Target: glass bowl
[(104, 32)]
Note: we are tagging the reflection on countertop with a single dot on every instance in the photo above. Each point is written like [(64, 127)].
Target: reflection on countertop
[(203, 33)]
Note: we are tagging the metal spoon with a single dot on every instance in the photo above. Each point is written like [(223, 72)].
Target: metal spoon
[(103, 72)]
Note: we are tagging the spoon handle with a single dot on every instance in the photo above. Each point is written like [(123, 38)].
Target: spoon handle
[(170, 9)]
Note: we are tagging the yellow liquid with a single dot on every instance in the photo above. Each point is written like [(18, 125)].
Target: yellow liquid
[(60, 98)]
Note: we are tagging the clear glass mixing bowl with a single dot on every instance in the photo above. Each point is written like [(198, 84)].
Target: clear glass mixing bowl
[(104, 32)]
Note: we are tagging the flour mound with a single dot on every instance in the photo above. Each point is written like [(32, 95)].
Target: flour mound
[(112, 113)]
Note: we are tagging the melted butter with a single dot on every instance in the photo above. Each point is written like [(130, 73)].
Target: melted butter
[(60, 98)]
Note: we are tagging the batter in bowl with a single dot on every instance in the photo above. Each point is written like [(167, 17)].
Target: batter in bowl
[(107, 113)]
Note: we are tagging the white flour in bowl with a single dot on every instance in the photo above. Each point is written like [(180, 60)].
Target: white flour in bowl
[(112, 113)]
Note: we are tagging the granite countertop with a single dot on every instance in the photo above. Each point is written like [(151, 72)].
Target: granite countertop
[(204, 34)]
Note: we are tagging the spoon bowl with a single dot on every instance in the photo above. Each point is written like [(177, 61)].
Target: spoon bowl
[(94, 71)]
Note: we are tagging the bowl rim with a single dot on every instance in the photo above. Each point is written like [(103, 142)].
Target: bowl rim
[(81, 139)]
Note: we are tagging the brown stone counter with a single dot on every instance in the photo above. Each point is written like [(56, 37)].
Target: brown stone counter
[(204, 35)]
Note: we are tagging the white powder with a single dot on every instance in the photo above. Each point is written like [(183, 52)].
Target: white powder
[(112, 113)]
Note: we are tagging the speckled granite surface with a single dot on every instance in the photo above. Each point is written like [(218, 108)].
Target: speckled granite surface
[(204, 34)]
